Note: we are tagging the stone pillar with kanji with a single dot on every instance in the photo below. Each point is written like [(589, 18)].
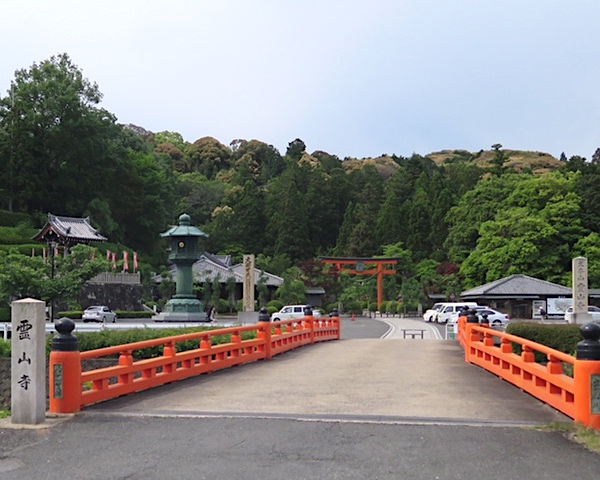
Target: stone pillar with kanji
[(28, 361)]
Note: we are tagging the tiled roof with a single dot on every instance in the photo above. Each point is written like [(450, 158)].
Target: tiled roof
[(70, 228), (209, 267), (517, 285)]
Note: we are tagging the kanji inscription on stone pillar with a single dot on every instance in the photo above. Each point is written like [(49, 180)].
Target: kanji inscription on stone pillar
[(248, 293), (580, 285)]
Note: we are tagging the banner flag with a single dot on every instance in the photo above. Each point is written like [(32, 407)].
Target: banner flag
[(125, 261), (135, 261), (114, 260)]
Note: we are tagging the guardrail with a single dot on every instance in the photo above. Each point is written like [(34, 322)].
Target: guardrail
[(70, 388), (569, 384)]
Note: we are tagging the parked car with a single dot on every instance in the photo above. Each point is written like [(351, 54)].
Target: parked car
[(593, 311), (430, 313), (293, 311), (495, 318), (449, 309), (99, 313)]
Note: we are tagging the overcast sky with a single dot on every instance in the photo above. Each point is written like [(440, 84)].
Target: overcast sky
[(353, 78)]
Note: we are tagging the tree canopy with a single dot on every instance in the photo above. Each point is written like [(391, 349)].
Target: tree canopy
[(455, 222)]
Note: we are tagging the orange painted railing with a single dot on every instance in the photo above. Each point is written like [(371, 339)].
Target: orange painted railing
[(571, 395), (71, 389)]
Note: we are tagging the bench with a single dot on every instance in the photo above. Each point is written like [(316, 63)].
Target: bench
[(412, 332)]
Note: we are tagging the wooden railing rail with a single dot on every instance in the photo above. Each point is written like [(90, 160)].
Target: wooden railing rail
[(71, 389), (567, 383)]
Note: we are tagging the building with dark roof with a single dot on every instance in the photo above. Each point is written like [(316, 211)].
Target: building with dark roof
[(520, 295), (68, 231)]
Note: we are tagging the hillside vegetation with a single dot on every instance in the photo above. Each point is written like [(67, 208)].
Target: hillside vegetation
[(454, 218)]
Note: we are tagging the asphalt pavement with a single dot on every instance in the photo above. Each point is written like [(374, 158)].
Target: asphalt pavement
[(359, 408)]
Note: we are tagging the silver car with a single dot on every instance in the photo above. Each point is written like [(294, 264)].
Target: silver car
[(593, 312), (99, 313)]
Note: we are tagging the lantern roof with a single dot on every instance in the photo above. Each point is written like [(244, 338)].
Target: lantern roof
[(184, 229)]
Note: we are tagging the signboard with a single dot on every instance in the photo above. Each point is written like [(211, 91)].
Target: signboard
[(558, 306), (595, 393)]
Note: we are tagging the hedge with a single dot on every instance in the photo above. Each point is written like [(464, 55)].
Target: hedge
[(562, 337), (76, 314), (109, 338)]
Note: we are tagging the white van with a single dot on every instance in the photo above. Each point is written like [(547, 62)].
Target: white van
[(431, 313), (447, 309), (293, 311)]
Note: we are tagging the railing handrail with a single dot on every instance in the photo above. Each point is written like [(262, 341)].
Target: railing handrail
[(105, 351), (70, 388), (524, 342), (575, 395)]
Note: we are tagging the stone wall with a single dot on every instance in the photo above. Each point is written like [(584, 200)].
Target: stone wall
[(118, 296)]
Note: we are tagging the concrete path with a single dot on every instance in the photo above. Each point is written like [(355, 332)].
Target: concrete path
[(422, 381)]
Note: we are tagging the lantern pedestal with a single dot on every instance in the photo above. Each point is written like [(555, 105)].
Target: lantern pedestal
[(182, 310)]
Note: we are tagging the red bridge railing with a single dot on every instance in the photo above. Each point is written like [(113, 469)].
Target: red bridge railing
[(71, 388), (570, 384)]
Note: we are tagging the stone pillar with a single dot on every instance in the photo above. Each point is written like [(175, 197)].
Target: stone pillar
[(248, 292), (580, 290), (28, 361), (248, 315)]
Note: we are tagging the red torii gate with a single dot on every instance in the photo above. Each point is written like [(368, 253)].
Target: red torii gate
[(379, 268)]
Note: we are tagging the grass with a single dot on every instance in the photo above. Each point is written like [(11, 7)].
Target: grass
[(4, 413), (588, 437)]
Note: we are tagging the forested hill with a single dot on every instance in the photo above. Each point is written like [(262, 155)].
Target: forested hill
[(454, 218)]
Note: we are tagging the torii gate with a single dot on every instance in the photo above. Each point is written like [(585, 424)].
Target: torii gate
[(379, 268)]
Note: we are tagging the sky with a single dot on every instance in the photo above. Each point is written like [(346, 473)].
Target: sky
[(354, 78)]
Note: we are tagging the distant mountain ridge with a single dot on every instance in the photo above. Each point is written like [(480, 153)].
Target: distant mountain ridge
[(519, 160)]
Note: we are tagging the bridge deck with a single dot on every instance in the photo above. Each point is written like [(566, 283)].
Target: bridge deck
[(409, 380)]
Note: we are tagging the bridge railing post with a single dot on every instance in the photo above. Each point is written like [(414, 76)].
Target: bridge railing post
[(586, 374), (308, 322), (264, 331), (470, 336), (65, 370), (335, 317)]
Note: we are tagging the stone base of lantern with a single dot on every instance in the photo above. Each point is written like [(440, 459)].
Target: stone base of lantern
[(182, 310)]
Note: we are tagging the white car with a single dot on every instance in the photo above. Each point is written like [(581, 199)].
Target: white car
[(293, 311), (593, 311), (430, 313), (99, 313), (495, 318), (451, 309)]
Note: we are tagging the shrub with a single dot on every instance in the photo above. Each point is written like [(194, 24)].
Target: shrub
[(4, 348), (4, 314), (354, 307), (392, 307), (271, 309), (76, 314), (372, 307), (563, 338), (383, 307), (12, 219), (330, 307), (277, 304)]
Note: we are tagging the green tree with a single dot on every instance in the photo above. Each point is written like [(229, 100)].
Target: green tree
[(56, 143), (288, 225), (24, 276), (208, 156)]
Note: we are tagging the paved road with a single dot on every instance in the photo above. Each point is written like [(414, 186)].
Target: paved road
[(353, 409)]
